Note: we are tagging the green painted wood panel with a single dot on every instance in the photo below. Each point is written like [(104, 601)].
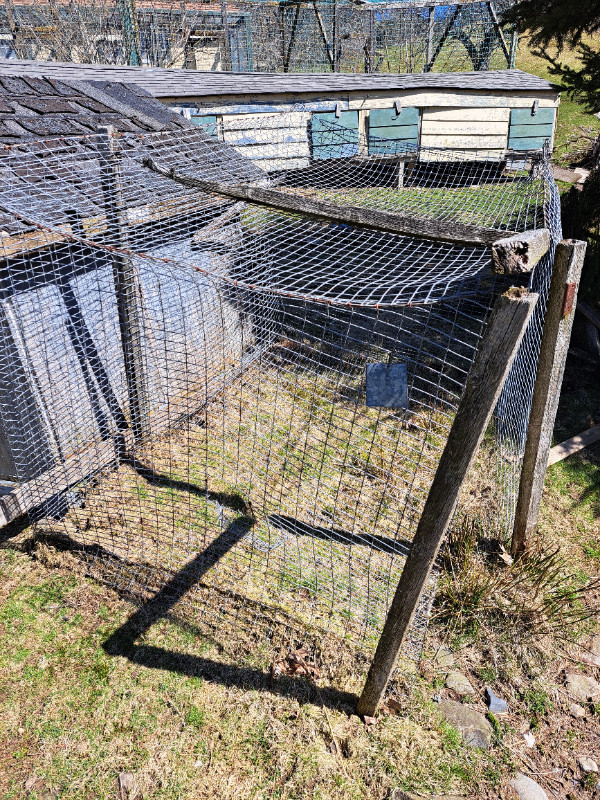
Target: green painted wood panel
[(383, 117), (327, 142), (520, 131), (523, 116), (533, 143), (404, 132), (208, 122)]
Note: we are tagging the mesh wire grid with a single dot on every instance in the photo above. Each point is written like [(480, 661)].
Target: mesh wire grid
[(260, 36), (183, 374)]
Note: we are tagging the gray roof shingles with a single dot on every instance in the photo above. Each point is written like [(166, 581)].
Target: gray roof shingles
[(161, 83)]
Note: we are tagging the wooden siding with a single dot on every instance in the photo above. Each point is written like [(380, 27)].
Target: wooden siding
[(386, 123), (478, 129), (324, 145), (530, 129), (260, 137)]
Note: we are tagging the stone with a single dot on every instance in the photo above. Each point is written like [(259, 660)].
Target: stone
[(494, 703), (587, 764), (460, 684), (582, 688), (577, 711), (444, 657), (595, 645), (529, 739), (527, 789), (473, 726)]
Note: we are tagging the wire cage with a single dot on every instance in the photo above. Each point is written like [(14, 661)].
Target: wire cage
[(238, 406), (264, 36)]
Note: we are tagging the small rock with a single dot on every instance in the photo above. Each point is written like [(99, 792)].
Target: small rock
[(444, 657), (30, 783), (494, 703), (582, 688), (527, 789), (577, 711), (473, 726), (437, 698), (587, 764), (595, 646), (127, 785), (460, 684), (529, 739)]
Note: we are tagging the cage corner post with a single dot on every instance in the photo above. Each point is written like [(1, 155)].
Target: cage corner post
[(125, 279), (556, 334), (494, 357)]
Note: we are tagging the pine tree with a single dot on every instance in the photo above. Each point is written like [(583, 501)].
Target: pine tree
[(560, 23)]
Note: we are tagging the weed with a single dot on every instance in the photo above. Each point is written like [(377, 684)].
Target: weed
[(196, 717)]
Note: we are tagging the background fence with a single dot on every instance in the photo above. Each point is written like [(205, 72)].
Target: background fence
[(263, 36)]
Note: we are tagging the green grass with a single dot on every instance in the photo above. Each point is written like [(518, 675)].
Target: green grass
[(571, 113)]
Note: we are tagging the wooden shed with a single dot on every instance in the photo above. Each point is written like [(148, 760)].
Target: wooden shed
[(486, 113)]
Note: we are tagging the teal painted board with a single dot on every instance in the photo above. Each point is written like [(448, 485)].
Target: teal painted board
[(523, 116), (529, 131), (382, 117), (527, 144), (328, 141), (323, 120), (392, 147), (404, 132), (208, 122)]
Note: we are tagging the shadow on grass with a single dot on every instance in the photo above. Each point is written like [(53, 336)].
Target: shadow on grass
[(123, 641)]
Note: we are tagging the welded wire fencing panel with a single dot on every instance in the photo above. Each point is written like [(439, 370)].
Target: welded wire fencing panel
[(263, 36), (295, 378)]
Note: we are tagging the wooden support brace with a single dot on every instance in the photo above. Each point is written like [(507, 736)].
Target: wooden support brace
[(558, 322), (390, 222), (503, 334), (521, 252)]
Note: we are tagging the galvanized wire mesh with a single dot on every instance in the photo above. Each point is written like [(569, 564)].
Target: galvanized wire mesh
[(184, 377), (262, 36)]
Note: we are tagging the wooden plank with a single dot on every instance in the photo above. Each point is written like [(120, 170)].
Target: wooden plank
[(520, 253), (447, 98), (525, 116), (544, 129), (558, 321), (493, 360), (574, 445), (493, 142), (534, 143), (463, 114), (382, 117), (75, 468), (431, 127), (439, 230), (409, 132)]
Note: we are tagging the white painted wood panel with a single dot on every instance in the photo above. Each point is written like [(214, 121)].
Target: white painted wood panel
[(467, 142), (480, 154), (452, 99), (471, 128), (462, 114)]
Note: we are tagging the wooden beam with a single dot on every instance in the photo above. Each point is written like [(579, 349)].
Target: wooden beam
[(574, 445), (390, 222), (442, 41), (520, 253), (499, 32), (77, 467), (126, 283), (495, 355), (558, 321)]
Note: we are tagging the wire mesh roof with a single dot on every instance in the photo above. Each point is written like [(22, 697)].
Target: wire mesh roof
[(46, 184)]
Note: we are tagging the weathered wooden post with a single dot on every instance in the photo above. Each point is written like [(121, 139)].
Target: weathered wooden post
[(226, 42), (558, 322), (429, 41), (493, 360), (125, 278)]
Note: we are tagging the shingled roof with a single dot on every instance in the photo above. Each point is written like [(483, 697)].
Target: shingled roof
[(36, 108), (169, 83)]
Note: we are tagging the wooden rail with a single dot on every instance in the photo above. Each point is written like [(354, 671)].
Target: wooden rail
[(492, 363), (514, 253)]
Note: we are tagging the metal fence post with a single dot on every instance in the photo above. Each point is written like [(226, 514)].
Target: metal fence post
[(125, 278), (492, 363), (558, 322)]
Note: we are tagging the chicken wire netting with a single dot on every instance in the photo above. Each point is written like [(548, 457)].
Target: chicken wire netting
[(262, 36), (191, 385)]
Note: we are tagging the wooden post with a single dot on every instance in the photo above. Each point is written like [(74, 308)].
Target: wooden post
[(126, 284), (226, 43), (494, 357), (558, 321), (336, 39), (429, 42)]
